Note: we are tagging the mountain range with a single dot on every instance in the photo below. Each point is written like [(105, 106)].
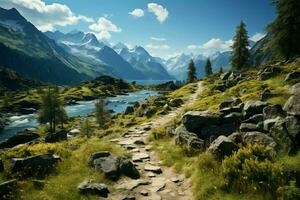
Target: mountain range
[(69, 58)]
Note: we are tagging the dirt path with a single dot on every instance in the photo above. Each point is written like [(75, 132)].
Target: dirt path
[(157, 181)]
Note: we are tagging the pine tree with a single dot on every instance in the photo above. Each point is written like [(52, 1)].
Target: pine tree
[(207, 67), (52, 110), (240, 54), (284, 31), (102, 114), (191, 72), (86, 128), (221, 70)]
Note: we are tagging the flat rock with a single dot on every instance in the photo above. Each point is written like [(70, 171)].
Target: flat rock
[(175, 179), (153, 168), (87, 187), (139, 157), (132, 184), (158, 184)]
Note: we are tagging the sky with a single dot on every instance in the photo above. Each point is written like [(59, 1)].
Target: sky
[(164, 27)]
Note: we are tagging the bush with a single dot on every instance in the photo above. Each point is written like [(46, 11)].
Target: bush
[(252, 167), (290, 192)]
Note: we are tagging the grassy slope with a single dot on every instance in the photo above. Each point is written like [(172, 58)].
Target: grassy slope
[(202, 168)]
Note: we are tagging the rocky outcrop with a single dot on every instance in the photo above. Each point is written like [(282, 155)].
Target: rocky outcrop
[(89, 188), (222, 146), (112, 166), (253, 107), (21, 137), (292, 106), (38, 165), (268, 72), (182, 136), (56, 137), (273, 111), (292, 76)]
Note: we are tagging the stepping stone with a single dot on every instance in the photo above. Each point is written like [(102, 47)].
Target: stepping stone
[(144, 192), (139, 157), (132, 184), (175, 179), (158, 184), (134, 150), (155, 197), (125, 142), (148, 148), (139, 142), (153, 168), (130, 147), (114, 140), (150, 174)]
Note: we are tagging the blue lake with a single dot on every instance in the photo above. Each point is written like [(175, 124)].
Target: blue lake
[(118, 104)]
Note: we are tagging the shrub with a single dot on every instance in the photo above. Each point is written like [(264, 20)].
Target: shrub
[(252, 167), (290, 192)]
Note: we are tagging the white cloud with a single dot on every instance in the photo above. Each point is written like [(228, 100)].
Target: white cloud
[(159, 11), (45, 16), (213, 44), (137, 12), (257, 36), (158, 39), (153, 46), (103, 28)]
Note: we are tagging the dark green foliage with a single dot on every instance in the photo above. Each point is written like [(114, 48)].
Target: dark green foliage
[(86, 128), (192, 75), (52, 110), (240, 53), (221, 70), (207, 67), (291, 192), (102, 114), (285, 30)]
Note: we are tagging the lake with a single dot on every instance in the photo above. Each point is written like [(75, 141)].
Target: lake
[(118, 104)]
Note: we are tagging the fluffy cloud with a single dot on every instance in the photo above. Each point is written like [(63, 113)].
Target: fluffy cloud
[(159, 11), (153, 46), (257, 36), (137, 12), (214, 43), (158, 39), (103, 28), (45, 16)]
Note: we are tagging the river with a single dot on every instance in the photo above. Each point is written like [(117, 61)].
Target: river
[(118, 104)]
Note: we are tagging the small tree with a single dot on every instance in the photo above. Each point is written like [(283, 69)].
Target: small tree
[(207, 67), (52, 110), (86, 128), (102, 114), (221, 70), (192, 77), (240, 52)]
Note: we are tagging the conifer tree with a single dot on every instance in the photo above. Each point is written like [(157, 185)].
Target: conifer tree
[(240, 52), (207, 67), (284, 31), (102, 114), (221, 70), (86, 128), (192, 77)]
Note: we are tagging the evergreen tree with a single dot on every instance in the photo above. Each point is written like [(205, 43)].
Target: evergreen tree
[(240, 54), (86, 128), (52, 110), (284, 31), (102, 114), (207, 67), (221, 70), (191, 72)]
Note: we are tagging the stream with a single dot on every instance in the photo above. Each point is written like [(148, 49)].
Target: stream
[(118, 104)]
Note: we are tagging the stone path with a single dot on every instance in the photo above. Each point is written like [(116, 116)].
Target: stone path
[(157, 182)]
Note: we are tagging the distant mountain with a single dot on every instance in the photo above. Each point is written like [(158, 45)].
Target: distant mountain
[(143, 62), (12, 81), (177, 66), (28, 51)]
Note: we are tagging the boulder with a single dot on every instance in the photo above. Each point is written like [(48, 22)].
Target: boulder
[(294, 75), (292, 106), (74, 131), (248, 127), (266, 94), (225, 76), (255, 119), (109, 166), (293, 128), (194, 121), (273, 111), (268, 72), (222, 146), (38, 165), (21, 137), (128, 169), (175, 102), (253, 107), (230, 102), (56, 137), (182, 136), (259, 138), (96, 155), (295, 89), (88, 187), (129, 110), (235, 109), (268, 123), (7, 189), (236, 137)]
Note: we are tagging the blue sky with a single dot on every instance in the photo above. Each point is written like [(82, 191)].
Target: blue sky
[(163, 27)]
